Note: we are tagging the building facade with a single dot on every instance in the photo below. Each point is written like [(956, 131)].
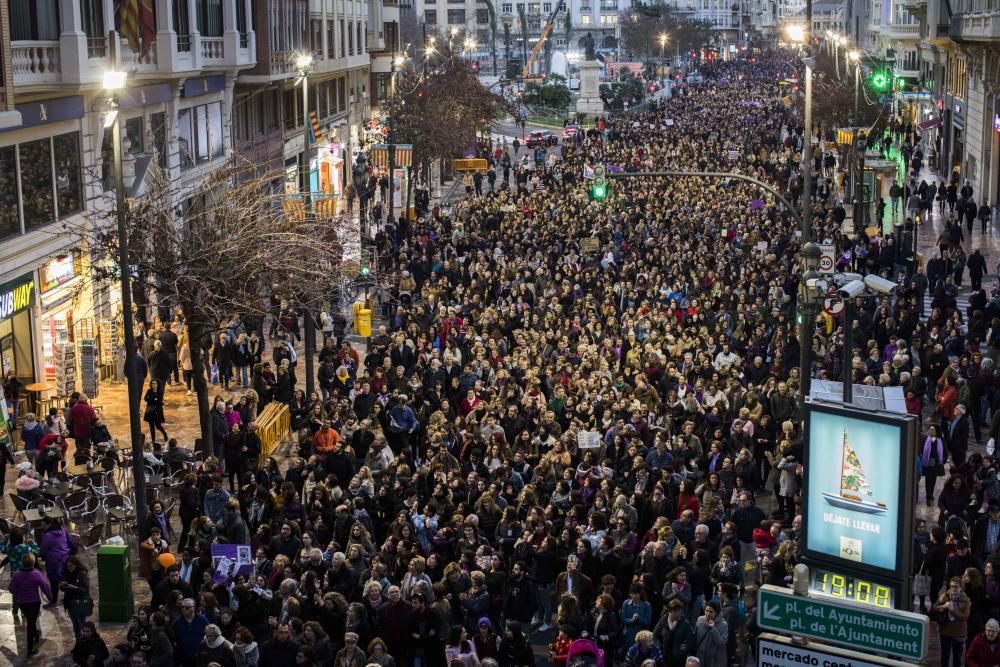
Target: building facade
[(55, 158), (207, 80)]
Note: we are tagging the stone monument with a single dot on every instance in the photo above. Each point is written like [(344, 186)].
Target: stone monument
[(589, 102)]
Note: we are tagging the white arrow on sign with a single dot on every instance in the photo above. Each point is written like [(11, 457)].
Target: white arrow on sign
[(771, 613)]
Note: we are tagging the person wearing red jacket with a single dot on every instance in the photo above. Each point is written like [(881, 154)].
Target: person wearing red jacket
[(985, 649), (81, 416)]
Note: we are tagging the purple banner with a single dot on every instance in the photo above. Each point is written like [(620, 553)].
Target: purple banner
[(231, 560)]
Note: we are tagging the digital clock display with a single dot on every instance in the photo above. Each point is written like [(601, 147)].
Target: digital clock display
[(853, 589)]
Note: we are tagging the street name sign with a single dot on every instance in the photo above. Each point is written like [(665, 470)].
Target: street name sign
[(775, 651), (897, 633)]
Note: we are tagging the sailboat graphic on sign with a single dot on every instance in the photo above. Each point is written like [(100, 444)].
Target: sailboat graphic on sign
[(855, 492)]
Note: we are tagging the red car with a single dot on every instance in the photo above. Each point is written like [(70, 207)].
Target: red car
[(571, 131)]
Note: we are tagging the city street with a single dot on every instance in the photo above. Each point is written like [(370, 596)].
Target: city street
[(572, 421)]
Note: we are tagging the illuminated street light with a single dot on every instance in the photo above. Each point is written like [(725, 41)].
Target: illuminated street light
[(303, 61), (796, 33)]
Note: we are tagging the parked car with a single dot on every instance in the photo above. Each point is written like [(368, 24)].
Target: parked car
[(541, 138)]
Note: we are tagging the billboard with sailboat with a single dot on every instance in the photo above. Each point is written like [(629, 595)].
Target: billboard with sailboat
[(856, 472)]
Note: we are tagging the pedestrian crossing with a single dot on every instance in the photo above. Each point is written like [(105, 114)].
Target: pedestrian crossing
[(962, 300)]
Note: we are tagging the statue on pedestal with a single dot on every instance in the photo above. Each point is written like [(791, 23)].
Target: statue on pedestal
[(588, 45)]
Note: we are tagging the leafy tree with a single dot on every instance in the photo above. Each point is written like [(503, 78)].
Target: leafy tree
[(440, 110), (833, 98), (628, 89), (643, 24), (552, 94)]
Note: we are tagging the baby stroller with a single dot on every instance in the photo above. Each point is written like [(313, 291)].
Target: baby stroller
[(584, 653)]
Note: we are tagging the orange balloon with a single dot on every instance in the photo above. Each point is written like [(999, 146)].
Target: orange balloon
[(166, 560)]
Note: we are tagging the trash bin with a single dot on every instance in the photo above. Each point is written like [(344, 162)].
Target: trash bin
[(364, 322), (114, 584)]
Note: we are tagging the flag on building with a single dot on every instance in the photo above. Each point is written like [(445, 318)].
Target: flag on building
[(313, 127), (137, 22)]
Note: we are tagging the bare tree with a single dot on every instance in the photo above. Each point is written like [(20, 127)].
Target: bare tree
[(235, 245)]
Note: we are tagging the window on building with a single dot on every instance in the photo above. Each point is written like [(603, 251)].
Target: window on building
[(482, 16), (456, 16), (609, 19), (34, 20), (430, 16), (158, 125), (209, 14), (585, 19), (199, 134), (10, 220), (535, 24), (92, 19), (182, 25), (330, 42), (69, 184), (359, 28), (342, 94), (343, 40), (547, 7), (507, 8), (350, 38), (534, 7), (35, 159), (391, 31)]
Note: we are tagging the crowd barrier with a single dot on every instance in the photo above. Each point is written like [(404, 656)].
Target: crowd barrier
[(274, 423)]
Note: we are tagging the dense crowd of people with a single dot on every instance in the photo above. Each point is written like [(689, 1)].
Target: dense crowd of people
[(591, 452)]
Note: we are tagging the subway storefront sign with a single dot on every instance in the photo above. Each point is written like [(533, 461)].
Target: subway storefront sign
[(17, 295)]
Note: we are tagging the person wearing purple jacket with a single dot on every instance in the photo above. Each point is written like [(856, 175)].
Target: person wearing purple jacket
[(55, 550), (27, 586)]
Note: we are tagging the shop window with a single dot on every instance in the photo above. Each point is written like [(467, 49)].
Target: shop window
[(35, 158), (10, 222), (69, 186)]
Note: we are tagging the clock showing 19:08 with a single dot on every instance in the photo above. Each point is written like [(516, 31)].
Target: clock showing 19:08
[(850, 588)]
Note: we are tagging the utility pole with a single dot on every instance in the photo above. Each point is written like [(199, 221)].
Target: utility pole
[(304, 62), (114, 84), (391, 148)]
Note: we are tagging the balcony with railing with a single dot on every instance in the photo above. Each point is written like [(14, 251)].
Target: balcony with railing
[(35, 62), (900, 30), (976, 22), (213, 50)]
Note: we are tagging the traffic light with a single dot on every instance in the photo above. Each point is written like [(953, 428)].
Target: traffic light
[(881, 80), (600, 188)]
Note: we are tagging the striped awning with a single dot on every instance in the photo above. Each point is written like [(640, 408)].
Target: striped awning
[(379, 155)]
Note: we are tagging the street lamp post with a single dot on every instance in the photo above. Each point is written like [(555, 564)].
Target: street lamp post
[(663, 44), (114, 82), (304, 64), (808, 295), (507, 20)]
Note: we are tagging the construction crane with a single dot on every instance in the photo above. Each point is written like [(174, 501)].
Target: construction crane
[(546, 31)]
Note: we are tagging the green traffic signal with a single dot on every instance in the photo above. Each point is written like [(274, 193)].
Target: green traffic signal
[(600, 191)]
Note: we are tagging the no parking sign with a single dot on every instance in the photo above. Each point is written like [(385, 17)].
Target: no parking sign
[(828, 258)]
